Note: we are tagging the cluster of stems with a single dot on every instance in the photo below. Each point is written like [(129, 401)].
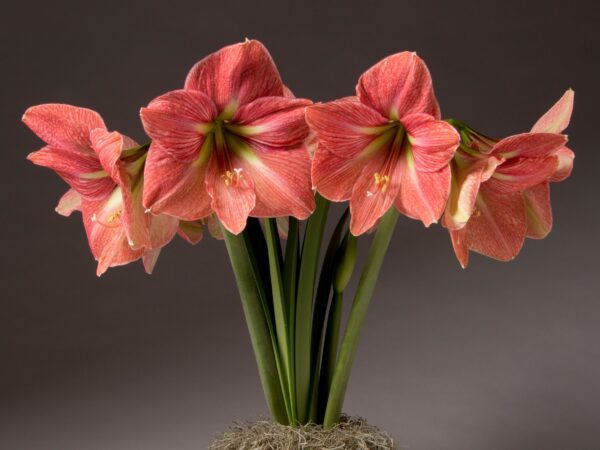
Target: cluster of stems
[(294, 310)]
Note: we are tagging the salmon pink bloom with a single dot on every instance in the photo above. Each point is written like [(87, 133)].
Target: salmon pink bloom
[(500, 191), (105, 172), (231, 142), (386, 146)]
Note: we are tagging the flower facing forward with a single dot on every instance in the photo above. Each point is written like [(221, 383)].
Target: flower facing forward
[(231, 142), (500, 190), (105, 172), (386, 146)]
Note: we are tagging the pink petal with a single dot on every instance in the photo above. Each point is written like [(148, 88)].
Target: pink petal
[(498, 226), (191, 231), (236, 75), (149, 259), (214, 227), (460, 246), (518, 174), (178, 121), (162, 230), (106, 235), (433, 141), (232, 192), (372, 195), (345, 127), (539, 211), (281, 178), (398, 85), (136, 222), (273, 121), (175, 188), (64, 127), (334, 176), (82, 171), (422, 195), (467, 175), (69, 202), (557, 118), (565, 164), (529, 145)]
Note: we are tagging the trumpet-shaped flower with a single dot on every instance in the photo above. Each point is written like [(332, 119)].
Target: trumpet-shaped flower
[(231, 142), (105, 172), (386, 146), (500, 190)]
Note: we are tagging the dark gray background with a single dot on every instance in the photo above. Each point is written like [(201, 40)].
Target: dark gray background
[(500, 356)]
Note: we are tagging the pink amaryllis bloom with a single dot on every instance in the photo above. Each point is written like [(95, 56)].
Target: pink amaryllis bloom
[(386, 146), (105, 172), (500, 191), (231, 142)]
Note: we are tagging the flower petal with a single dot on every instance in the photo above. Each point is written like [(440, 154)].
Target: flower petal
[(372, 194), (345, 127), (69, 202), (558, 117), (235, 75), (106, 235), (162, 230), (273, 121), (281, 178), (149, 259), (398, 85), (467, 175), (518, 174), (191, 231), (539, 211), (498, 226), (529, 145), (565, 164), (334, 176), (433, 141), (64, 127), (232, 192), (178, 121), (460, 246), (422, 195), (109, 147), (176, 188), (82, 171)]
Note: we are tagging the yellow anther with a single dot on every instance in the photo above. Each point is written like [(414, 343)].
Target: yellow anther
[(115, 215), (230, 177), (381, 181)]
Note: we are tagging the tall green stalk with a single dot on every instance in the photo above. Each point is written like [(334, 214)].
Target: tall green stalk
[(257, 321), (304, 305), (357, 317)]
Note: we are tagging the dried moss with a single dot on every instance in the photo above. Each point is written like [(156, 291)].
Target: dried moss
[(350, 433)]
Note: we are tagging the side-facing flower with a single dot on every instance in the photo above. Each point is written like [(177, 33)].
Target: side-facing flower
[(231, 142), (105, 172), (500, 190), (386, 146)]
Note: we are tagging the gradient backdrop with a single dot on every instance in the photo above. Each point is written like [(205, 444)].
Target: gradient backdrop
[(500, 356)]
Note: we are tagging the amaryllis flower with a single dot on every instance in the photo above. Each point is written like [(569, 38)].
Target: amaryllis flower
[(105, 172), (386, 146), (231, 142), (500, 192)]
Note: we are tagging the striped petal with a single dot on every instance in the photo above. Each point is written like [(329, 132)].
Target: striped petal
[(539, 211), (236, 75), (529, 145), (397, 86), (557, 119), (178, 121), (64, 127), (176, 188)]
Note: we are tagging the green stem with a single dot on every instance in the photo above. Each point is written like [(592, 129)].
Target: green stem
[(280, 310), (320, 309), (357, 317), (290, 275), (304, 304), (330, 350), (258, 323)]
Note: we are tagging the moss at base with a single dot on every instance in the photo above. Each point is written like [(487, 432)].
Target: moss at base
[(351, 434)]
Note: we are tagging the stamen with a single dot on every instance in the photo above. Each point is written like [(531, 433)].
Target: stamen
[(232, 178), (381, 181)]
